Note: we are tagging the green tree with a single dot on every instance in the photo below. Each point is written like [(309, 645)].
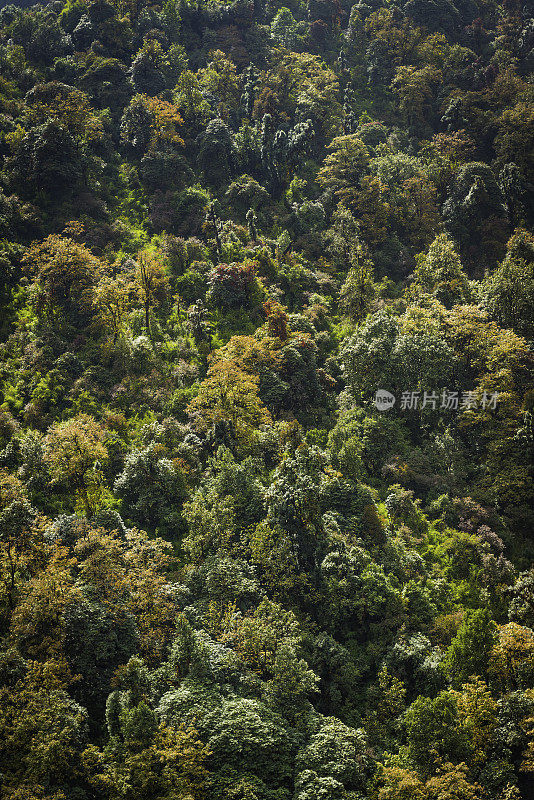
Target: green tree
[(147, 69), (47, 160), (336, 752), (440, 273), (514, 140), (65, 274), (220, 80), (469, 652), (342, 169), (18, 538), (434, 733), (190, 101), (509, 289), (152, 285), (474, 211), (358, 290), (146, 759), (414, 88), (150, 123), (75, 451), (217, 152), (152, 489), (112, 300), (284, 28), (229, 396), (42, 730)]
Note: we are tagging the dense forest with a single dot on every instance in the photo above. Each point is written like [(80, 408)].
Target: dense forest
[(267, 400)]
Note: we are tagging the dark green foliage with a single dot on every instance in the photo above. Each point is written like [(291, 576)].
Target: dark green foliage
[(164, 169), (48, 160), (469, 652), (146, 72), (433, 732), (152, 489), (95, 643), (475, 211), (216, 152)]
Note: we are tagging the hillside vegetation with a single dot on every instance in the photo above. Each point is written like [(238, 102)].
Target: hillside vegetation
[(229, 569)]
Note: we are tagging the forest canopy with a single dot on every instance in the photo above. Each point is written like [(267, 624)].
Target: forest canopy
[(266, 400)]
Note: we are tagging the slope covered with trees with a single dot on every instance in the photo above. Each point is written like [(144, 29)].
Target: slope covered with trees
[(226, 572)]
